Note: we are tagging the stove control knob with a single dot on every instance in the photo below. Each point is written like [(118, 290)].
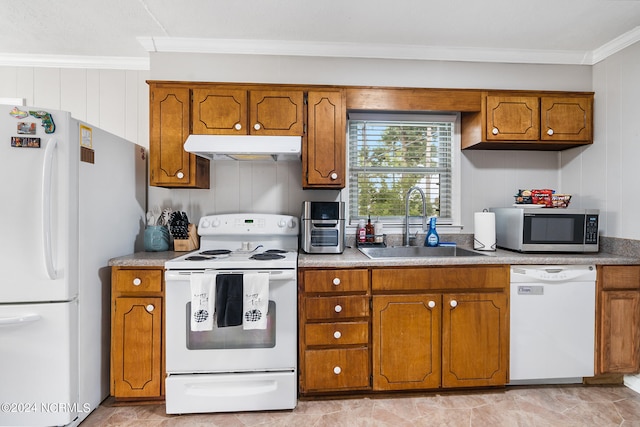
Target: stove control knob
[(205, 223), (282, 223), (215, 223), (292, 223)]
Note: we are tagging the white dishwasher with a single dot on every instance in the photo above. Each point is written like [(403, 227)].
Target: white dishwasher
[(552, 323)]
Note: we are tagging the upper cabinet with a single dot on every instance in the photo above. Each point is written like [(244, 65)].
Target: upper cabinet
[(324, 151), (169, 164), (221, 111), (529, 121)]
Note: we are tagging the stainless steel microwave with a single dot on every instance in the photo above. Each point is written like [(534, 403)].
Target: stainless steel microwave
[(547, 229)]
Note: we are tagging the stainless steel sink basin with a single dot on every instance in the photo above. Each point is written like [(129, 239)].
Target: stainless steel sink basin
[(417, 252)]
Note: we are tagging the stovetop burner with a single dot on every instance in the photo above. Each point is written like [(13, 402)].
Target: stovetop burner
[(199, 258), (216, 252), (275, 251), (266, 256)]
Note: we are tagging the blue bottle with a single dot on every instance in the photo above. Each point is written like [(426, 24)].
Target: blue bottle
[(432, 238)]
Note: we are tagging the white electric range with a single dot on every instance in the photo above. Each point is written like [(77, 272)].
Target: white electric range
[(230, 368)]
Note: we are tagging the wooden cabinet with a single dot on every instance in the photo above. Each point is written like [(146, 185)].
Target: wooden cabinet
[(542, 121), (618, 319), (334, 331), (137, 361), (440, 327), (324, 151), (169, 164), (221, 111)]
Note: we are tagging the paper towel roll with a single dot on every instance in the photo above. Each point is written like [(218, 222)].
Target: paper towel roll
[(484, 230)]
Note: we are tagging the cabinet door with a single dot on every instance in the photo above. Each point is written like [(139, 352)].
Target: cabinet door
[(219, 112), (406, 342), (170, 165), (513, 118), (323, 156), (475, 334), (620, 332), (136, 347), (276, 113), (566, 119)]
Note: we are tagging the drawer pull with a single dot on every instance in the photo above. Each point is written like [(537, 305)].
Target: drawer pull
[(150, 308), (337, 335), (338, 308), (431, 304), (337, 370), (137, 281), (336, 281)]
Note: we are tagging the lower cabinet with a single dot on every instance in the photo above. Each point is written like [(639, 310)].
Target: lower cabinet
[(428, 328), (427, 341), (137, 365), (618, 319), (334, 331)]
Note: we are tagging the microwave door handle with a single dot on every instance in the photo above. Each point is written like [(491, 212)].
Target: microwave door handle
[(47, 179)]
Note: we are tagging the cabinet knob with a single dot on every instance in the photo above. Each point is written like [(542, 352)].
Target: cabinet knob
[(137, 281), (495, 131), (453, 303), (337, 370), (431, 304), (257, 126), (237, 126), (180, 175), (337, 335), (150, 308), (334, 176), (336, 281), (338, 308), (550, 132)]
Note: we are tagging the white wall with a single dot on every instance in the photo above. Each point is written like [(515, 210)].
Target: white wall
[(608, 173), (489, 178)]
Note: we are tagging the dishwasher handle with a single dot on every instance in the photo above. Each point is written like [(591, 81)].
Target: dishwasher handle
[(552, 273)]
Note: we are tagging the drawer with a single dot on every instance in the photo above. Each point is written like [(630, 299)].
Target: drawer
[(462, 277), (336, 281), (334, 334), (137, 280), (336, 369), (619, 276), (335, 308)]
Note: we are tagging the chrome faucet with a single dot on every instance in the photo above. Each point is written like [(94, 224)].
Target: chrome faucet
[(406, 212)]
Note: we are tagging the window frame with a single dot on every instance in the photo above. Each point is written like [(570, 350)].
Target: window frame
[(396, 224)]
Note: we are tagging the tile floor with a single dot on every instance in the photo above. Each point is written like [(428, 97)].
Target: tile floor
[(547, 406)]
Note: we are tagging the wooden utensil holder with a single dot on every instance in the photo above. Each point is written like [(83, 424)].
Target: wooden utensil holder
[(190, 244)]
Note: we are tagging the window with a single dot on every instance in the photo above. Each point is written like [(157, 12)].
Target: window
[(389, 154)]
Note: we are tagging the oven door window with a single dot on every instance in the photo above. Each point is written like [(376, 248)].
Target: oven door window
[(549, 228), (324, 237), (232, 336)]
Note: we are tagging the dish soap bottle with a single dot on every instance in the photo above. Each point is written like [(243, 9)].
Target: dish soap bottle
[(432, 238), (361, 237)]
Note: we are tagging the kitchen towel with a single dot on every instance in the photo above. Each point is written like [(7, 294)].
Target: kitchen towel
[(229, 300), (484, 231), (202, 301), (255, 302)]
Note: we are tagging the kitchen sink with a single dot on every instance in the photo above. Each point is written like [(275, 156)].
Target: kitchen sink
[(417, 252)]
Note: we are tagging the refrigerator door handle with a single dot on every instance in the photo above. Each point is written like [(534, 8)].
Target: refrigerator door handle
[(47, 171), (19, 320)]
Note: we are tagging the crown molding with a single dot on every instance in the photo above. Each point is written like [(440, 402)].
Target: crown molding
[(356, 50), (336, 50), (615, 45), (75, 61)]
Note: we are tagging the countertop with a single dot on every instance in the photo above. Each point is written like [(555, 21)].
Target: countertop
[(354, 258)]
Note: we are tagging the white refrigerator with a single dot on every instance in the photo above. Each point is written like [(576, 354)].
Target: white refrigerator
[(73, 196)]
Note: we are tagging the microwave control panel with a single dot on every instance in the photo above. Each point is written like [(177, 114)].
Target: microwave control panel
[(591, 230)]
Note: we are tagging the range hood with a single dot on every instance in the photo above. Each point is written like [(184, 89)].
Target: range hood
[(245, 147)]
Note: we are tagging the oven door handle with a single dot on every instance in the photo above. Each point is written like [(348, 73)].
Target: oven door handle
[(274, 275)]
